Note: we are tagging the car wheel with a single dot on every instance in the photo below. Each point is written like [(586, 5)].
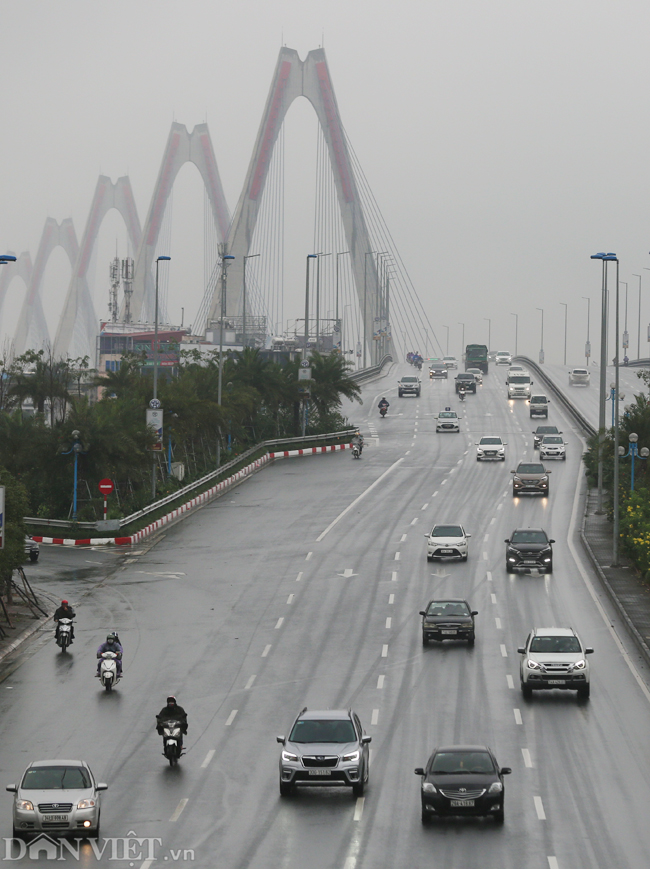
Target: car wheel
[(358, 788), (471, 640), (499, 816), (584, 692), (285, 788), (508, 568), (564, 458), (478, 459), (425, 817), (18, 834), (464, 558), (514, 492), (549, 569), (429, 558), (526, 690), (33, 556)]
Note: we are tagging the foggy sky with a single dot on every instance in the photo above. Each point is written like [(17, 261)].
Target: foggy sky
[(504, 141)]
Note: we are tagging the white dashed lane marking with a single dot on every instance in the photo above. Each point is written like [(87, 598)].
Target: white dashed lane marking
[(517, 716), (358, 809), (290, 599), (391, 598), (394, 576), (504, 651), (375, 716), (299, 577), (388, 622), (384, 651), (249, 684), (209, 757), (231, 717), (527, 759), (279, 624), (424, 506), (510, 682), (539, 808), (267, 649), (397, 556), (489, 576), (497, 622), (179, 809), (309, 555), (415, 521)]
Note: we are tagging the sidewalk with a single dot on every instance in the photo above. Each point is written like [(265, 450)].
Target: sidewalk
[(629, 594)]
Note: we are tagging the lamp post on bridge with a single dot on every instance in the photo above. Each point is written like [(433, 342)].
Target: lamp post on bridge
[(462, 341), (154, 404), (638, 334), (604, 258), (626, 336), (633, 452), (226, 259), (588, 343), (318, 256), (247, 257), (336, 314), (447, 328), (541, 346)]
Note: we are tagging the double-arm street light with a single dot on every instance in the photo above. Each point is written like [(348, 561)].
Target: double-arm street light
[(226, 259), (336, 313), (604, 258), (588, 343), (155, 404), (541, 345), (633, 452)]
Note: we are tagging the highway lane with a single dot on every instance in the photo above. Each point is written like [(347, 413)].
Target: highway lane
[(246, 615)]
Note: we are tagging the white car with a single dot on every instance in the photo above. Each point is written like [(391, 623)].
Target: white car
[(554, 658), (450, 361), (517, 369), (447, 420), (491, 447), (503, 358), (552, 447), (579, 377), (478, 374), (447, 541)]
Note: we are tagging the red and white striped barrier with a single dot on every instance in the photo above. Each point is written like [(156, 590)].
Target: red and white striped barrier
[(203, 498)]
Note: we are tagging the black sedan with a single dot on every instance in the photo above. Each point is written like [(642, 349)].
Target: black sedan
[(448, 620), (462, 780), (529, 549)]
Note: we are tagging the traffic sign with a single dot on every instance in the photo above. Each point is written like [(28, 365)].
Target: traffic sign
[(305, 362), (106, 486), (155, 403)]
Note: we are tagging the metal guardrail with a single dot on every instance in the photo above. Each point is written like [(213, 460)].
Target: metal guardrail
[(582, 420), (369, 373), (150, 508)]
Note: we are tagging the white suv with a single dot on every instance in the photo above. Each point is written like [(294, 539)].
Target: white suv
[(579, 376), (503, 358), (554, 658)]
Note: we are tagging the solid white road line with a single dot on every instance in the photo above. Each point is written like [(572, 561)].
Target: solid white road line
[(267, 649), (249, 684), (504, 651), (539, 808), (279, 624), (179, 809), (380, 682), (231, 717), (527, 760), (375, 716), (384, 651), (510, 682), (357, 499), (518, 719), (210, 755), (358, 809), (391, 598)]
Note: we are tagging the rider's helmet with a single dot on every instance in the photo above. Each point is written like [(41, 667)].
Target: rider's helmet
[(171, 700), (64, 603), (110, 638)]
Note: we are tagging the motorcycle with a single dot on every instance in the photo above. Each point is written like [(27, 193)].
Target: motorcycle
[(108, 671), (461, 394), (383, 411), (172, 734), (355, 451), (64, 635), (430, 375)]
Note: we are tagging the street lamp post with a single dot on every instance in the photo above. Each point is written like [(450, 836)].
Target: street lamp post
[(339, 253), (226, 259), (365, 302), (516, 316), (541, 346), (633, 452), (247, 257), (616, 419), (613, 394), (566, 309), (588, 343), (318, 256), (306, 350), (603, 257), (462, 340), (626, 336), (155, 402), (638, 334), (489, 322), (76, 449)]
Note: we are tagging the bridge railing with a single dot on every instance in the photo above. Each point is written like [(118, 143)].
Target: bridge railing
[(368, 373), (582, 420)]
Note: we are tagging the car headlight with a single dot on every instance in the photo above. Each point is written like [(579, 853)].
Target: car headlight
[(428, 788), (532, 665), (24, 805), (353, 757), (580, 665), (511, 559), (495, 788), (290, 758), (86, 804), (544, 480)]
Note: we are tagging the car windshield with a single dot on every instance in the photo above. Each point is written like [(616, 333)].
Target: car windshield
[(409, 380), (519, 378), (530, 468), (322, 730), (555, 644), (454, 762), (493, 441), (447, 531), (45, 778), (580, 371), (465, 376), (552, 439), (538, 399), (448, 608), (546, 429), (449, 358), (447, 414), (529, 537)]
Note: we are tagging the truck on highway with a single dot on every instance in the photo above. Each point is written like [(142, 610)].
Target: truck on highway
[(476, 356)]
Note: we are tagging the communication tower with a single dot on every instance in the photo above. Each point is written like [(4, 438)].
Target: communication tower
[(127, 280), (114, 272)]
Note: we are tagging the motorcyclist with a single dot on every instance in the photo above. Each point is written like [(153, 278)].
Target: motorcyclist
[(383, 403), (65, 611), (171, 712), (461, 393), (357, 440), (111, 645)]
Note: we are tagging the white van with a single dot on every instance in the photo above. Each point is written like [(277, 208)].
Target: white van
[(519, 385)]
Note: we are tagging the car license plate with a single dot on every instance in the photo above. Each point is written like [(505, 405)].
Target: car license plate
[(450, 633), (55, 818), (447, 551), (320, 772), (557, 681), (528, 561), (461, 804)]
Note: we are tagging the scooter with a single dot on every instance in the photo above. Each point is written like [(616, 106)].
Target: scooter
[(108, 671), (356, 452), (461, 394), (64, 637), (172, 734), (430, 374), (383, 411)]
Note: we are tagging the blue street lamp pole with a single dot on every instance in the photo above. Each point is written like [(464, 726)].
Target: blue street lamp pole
[(612, 398), (633, 452), (76, 450), (603, 257)]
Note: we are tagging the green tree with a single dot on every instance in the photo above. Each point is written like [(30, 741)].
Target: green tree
[(16, 503)]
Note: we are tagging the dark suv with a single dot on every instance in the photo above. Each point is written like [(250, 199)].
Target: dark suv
[(467, 380), (325, 747), (529, 549), (462, 780), (408, 386)]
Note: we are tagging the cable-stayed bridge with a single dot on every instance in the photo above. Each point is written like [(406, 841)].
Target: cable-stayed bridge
[(357, 289)]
